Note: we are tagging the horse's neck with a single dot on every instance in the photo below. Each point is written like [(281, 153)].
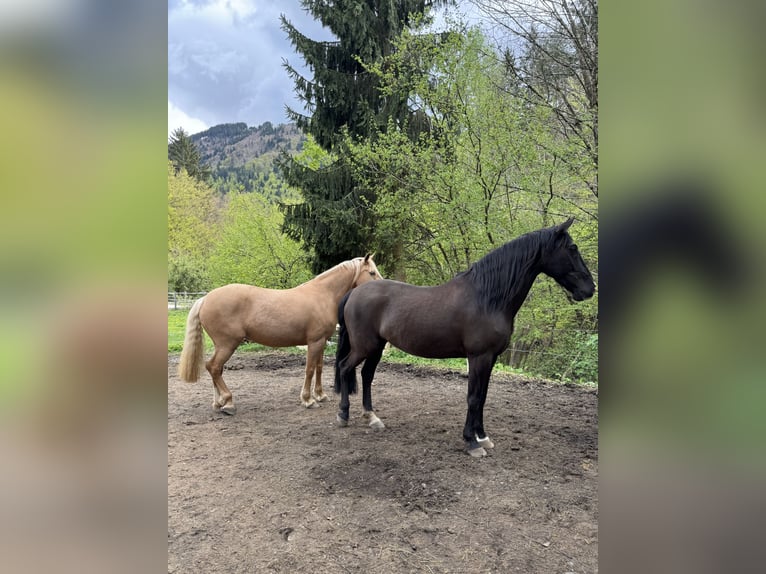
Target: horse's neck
[(338, 281), (522, 284), (525, 285)]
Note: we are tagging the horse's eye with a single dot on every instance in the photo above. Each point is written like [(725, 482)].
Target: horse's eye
[(372, 273), (573, 247)]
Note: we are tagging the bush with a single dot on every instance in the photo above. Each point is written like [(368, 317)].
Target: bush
[(186, 275), (570, 356)]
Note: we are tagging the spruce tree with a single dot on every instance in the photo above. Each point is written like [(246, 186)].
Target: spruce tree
[(183, 154), (334, 219)]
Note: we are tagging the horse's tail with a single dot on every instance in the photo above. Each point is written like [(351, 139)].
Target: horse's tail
[(193, 350), (344, 348)]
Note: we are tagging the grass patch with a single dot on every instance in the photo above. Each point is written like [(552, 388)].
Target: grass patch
[(177, 330)]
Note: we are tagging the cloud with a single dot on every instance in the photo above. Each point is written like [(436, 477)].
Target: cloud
[(177, 118), (225, 58), (220, 12)]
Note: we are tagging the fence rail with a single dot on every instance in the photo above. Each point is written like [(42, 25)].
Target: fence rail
[(183, 299)]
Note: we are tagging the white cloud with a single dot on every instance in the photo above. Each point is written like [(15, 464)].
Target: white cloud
[(177, 118), (225, 58), (221, 12)]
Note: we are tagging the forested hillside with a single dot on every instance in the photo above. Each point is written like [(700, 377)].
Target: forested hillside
[(243, 157)]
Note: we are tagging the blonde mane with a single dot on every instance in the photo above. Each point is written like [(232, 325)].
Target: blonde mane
[(351, 264)]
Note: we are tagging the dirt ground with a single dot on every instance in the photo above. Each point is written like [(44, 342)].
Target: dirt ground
[(279, 488)]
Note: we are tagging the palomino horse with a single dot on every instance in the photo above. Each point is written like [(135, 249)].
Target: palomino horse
[(470, 316), (303, 315)]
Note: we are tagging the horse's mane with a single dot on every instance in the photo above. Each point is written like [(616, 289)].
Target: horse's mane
[(498, 276), (351, 264)]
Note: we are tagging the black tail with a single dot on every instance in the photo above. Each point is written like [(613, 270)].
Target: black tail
[(344, 348)]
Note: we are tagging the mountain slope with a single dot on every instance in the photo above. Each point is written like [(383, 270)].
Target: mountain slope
[(242, 157), (234, 145)]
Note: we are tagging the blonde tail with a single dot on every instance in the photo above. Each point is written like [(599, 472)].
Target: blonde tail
[(193, 351)]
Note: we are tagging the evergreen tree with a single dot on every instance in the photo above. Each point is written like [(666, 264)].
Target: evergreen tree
[(183, 154), (334, 220)]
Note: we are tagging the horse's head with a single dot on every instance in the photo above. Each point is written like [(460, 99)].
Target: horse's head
[(564, 263), (367, 270)]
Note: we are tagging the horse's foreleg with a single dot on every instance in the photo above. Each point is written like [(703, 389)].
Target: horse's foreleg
[(481, 436), (223, 400), (368, 372), (313, 364), (479, 372)]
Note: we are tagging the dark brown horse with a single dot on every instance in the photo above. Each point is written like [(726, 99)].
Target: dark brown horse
[(470, 316)]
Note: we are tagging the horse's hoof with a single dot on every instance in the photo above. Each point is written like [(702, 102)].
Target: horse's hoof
[(475, 449), (228, 409), (377, 425), (341, 421), (477, 452), (485, 442), (310, 404), (320, 398)]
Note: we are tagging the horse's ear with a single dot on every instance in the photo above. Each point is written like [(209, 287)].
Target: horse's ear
[(368, 257), (564, 226)]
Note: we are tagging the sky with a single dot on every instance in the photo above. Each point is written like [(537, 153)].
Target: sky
[(225, 61)]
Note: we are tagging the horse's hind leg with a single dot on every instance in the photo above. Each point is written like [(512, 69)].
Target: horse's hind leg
[(223, 401), (314, 357), (347, 373), (368, 372), (319, 394)]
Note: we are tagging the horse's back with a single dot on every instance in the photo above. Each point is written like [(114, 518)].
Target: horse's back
[(240, 296), (423, 321), (273, 317), (234, 298)]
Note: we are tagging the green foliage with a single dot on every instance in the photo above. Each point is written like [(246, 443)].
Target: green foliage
[(192, 219), (555, 339), (184, 274), (488, 170), (585, 365), (251, 248)]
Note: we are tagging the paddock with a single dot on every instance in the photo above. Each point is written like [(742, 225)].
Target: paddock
[(279, 488)]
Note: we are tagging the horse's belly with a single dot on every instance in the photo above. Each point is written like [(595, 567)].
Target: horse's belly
[(272, 338), (428, 345), (286, 332)]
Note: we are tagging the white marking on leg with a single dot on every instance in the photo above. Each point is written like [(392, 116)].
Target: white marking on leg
[(375, 422), (485, 442)]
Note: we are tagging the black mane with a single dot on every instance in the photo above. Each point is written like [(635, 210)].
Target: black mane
[(501, 274)]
